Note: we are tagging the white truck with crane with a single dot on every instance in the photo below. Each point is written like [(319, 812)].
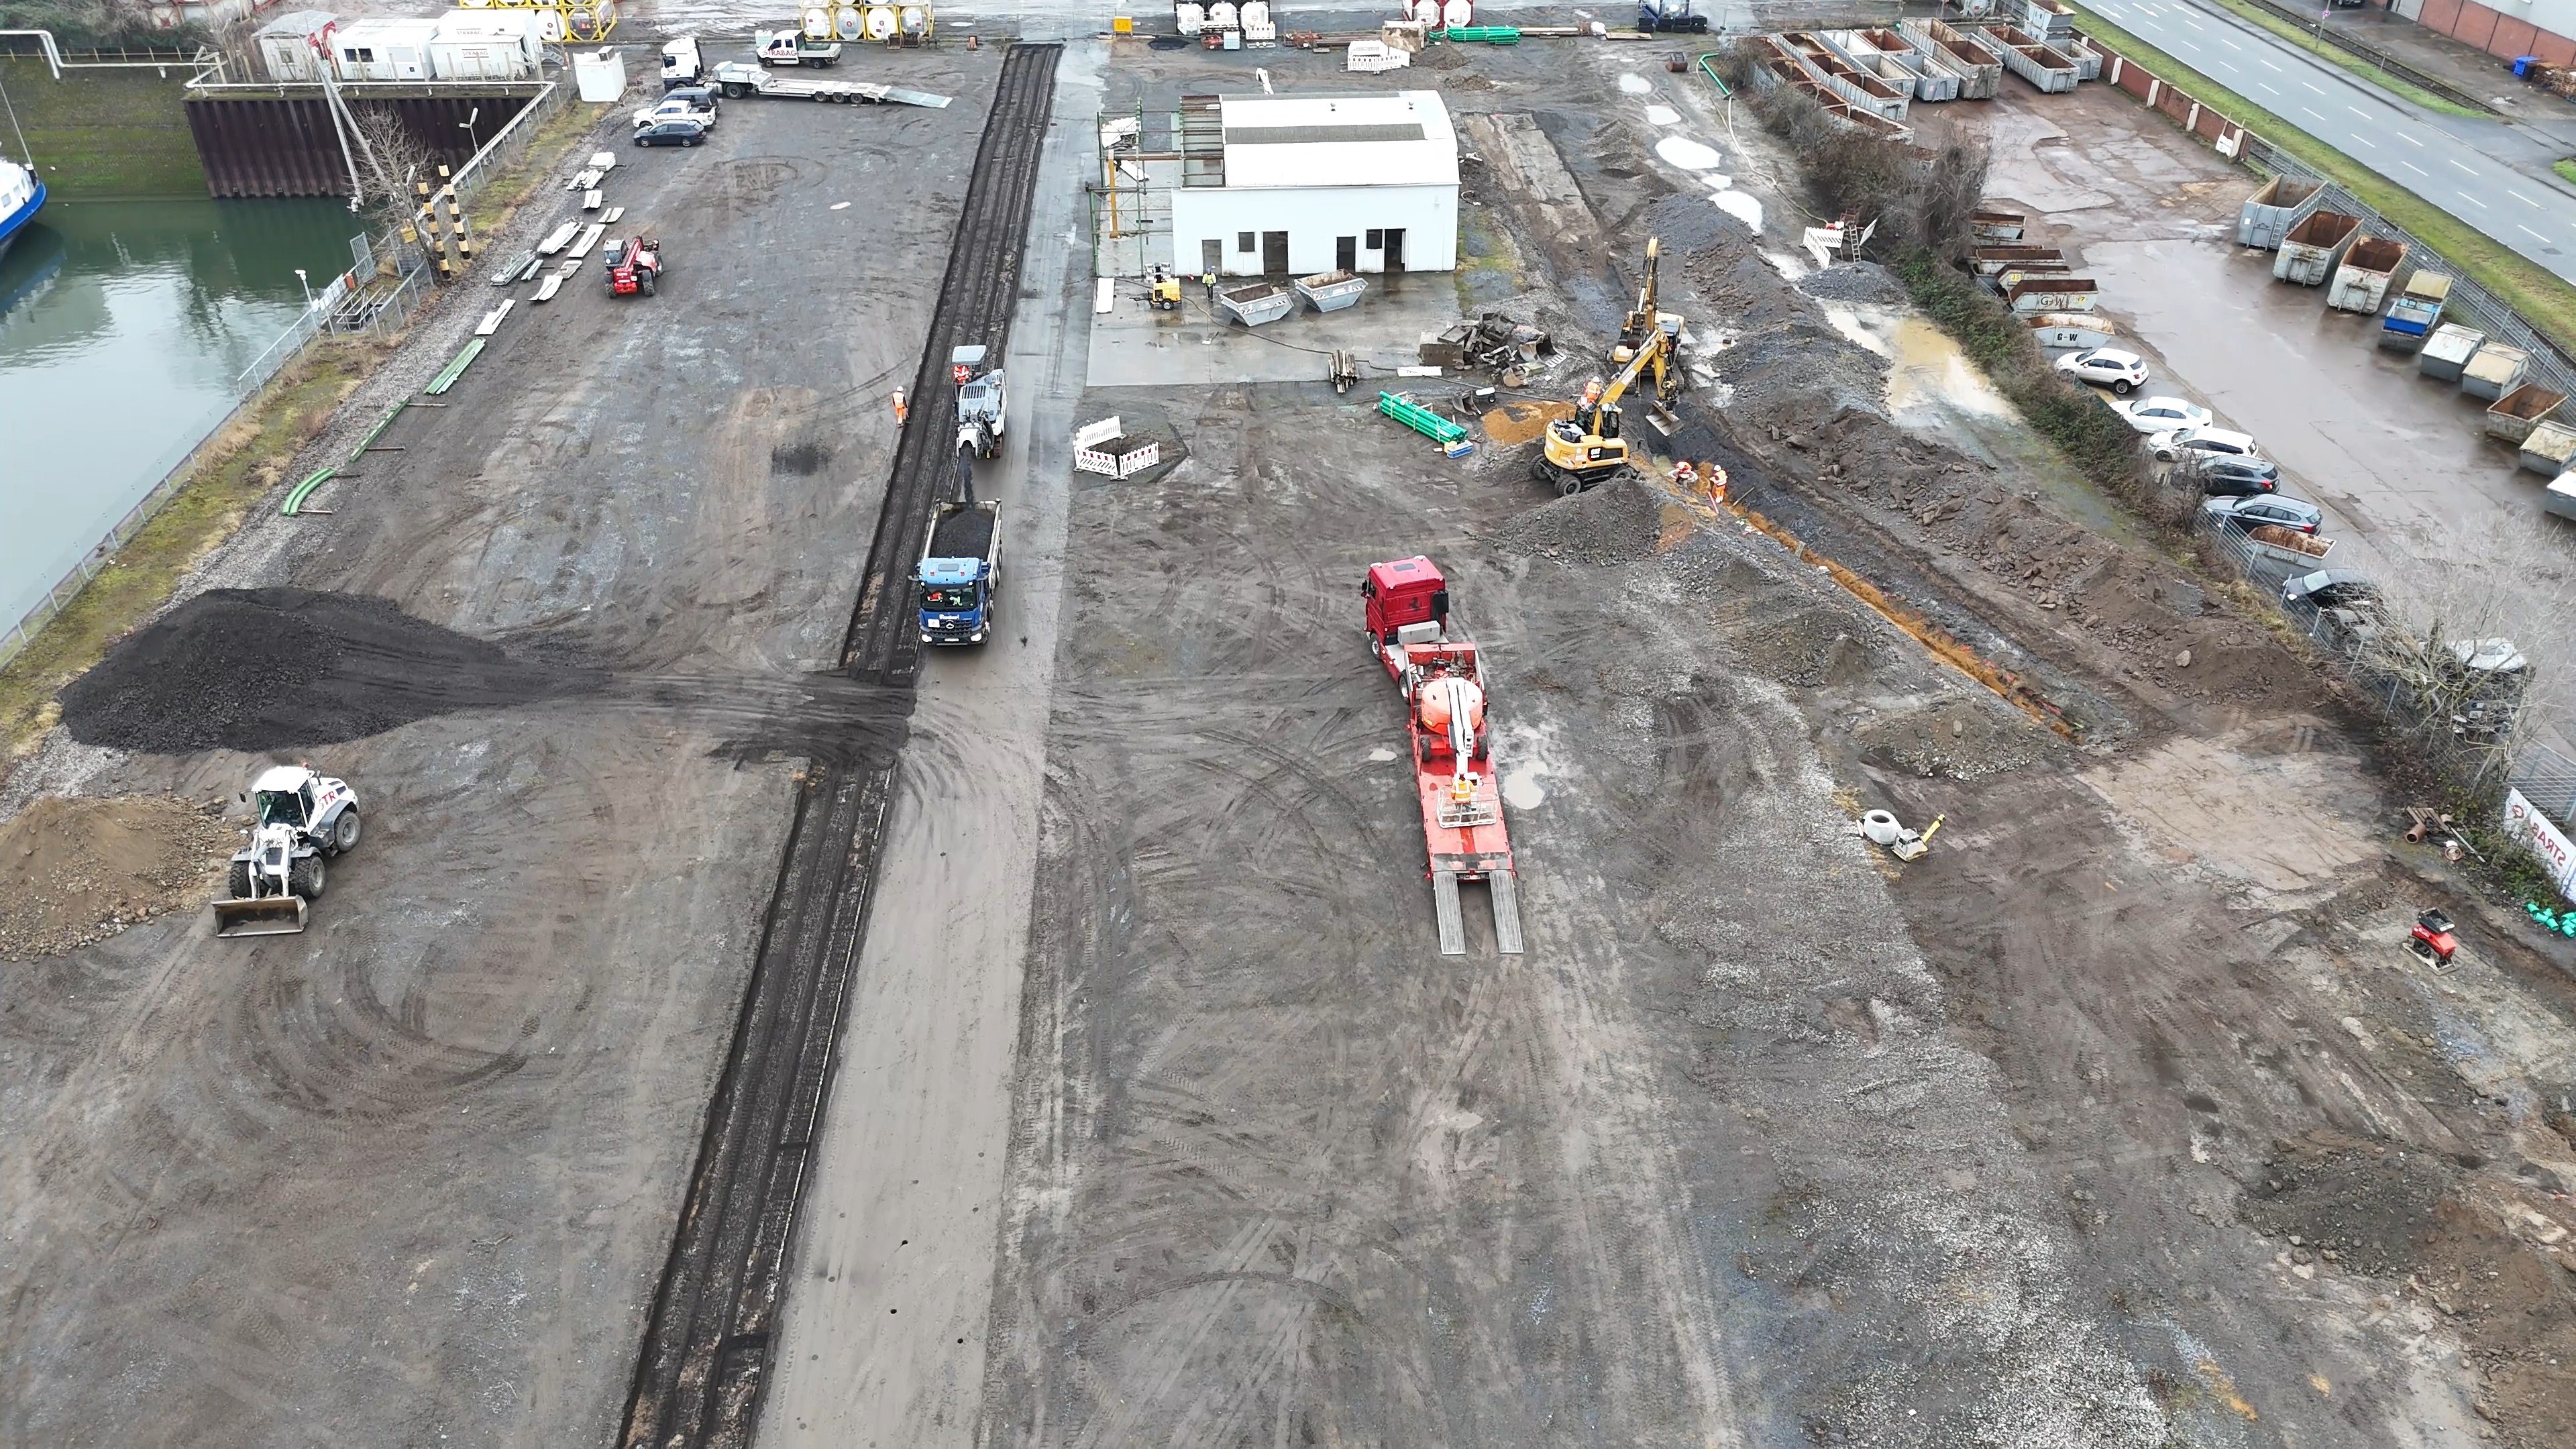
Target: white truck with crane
[(300, 820)]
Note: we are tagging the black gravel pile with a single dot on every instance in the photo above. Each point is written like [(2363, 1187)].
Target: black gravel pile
[(266, 669), (1616, 523)]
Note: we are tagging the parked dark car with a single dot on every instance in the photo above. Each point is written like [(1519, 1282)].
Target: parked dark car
[(2224, 477), (674, 132), (2331, 589), (2279, 510)]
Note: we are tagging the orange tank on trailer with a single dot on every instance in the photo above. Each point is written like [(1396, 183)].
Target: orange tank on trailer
[(1440, 676)]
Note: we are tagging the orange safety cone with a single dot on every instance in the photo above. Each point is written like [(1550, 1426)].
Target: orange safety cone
[(900, 408)]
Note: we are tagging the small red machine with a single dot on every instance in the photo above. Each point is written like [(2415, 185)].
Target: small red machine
[(634, 267), (2433, 939), (1406, 606)]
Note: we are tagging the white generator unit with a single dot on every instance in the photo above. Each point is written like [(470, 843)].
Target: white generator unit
[(487, 45), (296, 47), (1189, 16), (384, 50), (1458, 12), (1257, 28)]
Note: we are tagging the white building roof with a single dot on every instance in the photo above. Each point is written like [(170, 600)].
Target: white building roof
[(1378, 138)]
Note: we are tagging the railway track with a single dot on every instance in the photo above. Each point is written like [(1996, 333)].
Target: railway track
[(707, 1348)]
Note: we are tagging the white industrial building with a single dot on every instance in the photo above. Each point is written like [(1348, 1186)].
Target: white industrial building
[(1296, 184)]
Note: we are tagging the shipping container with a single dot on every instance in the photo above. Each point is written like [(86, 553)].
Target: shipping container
[(2494, 371), (2361, 283), (2312, 250), (2282, 203), (296, 47), (2448, 352), (487, 45), (379, 49)]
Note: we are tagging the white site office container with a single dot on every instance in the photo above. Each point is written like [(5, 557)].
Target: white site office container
[(384, 50), (487, 45), (292, 46)]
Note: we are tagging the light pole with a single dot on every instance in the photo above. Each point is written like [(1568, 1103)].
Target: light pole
[(307, 286), (467, 126)]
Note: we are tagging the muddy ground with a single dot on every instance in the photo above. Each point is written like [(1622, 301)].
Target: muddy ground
[(409, 1178), (2121, 1119)]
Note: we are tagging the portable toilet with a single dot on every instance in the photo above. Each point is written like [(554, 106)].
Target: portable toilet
[(293, 46), (384, 50)]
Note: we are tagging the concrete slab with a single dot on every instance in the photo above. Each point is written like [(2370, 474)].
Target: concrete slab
[(1134, 346)]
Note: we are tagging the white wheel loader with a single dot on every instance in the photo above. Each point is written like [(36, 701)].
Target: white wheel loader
[(299, 821)]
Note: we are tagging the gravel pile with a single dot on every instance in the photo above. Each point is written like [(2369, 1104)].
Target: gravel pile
[(1854, 282), (1956, 739), (266, 669), (81, 870), (2369, 1204), (1806, 649), (1617, 523)]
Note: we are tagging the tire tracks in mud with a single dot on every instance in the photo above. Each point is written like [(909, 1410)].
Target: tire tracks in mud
[(705, 1359)]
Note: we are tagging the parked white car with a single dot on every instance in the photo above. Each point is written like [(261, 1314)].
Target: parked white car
[(2162, 414), (2121, 372), (2170, 446), (692, 104)]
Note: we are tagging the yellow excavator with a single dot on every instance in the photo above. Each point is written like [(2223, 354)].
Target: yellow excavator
[(1585, 451)]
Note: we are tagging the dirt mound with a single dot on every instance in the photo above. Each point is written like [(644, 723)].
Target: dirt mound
[(83, 870), (1956, 739), (2371, 1204), (266, 669), (1808, 648), (1616, 523)]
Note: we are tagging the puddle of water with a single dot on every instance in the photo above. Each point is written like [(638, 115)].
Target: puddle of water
[(1740, 206), (1521, 788), (1926, 369), (1380, 756), (1717, 180), (1635, 85), (1662, 116), (1688, 154)]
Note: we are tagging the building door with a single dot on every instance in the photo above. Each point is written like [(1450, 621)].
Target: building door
[(1346, 253), (1395, 249), (1274, 252), (1211, 256)]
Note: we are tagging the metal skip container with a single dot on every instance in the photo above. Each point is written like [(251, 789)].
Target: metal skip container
[(1331, 291), (2449, 352), (2312, 250), (1258, 303)]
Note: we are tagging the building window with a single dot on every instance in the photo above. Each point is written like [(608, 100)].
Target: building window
[(1376, 240), (361, 55), (1243, 241)]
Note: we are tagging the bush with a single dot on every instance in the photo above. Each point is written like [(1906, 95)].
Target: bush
[(96, 24), (1921, 199), (2099, 442)]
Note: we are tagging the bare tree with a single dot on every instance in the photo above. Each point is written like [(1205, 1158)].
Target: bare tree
[(2476, 655), (401, 158)]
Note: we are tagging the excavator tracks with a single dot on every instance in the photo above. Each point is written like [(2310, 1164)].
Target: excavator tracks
[(705, 1359)]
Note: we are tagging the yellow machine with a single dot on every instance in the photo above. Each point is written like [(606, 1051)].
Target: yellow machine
[(1644, 318), (1163, 293), (1586, 450)]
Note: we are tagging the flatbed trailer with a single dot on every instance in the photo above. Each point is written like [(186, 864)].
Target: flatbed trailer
[(738, 80), (1456, 782)]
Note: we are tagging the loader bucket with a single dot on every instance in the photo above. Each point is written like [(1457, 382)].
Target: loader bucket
[(260, 916)]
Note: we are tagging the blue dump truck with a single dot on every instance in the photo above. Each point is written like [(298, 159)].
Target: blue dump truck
[(961, 568)]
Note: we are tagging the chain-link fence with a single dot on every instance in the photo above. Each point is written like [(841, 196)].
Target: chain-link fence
[(2468, 301), (2462, 745)]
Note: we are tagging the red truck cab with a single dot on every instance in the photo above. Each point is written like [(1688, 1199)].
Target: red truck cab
[(1403, 591)]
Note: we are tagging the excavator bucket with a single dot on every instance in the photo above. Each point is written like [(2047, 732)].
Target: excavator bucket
[(259, 916)]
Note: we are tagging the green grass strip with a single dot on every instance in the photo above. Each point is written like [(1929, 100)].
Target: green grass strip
[(448, 375), (295, 497), (2545, 301)]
